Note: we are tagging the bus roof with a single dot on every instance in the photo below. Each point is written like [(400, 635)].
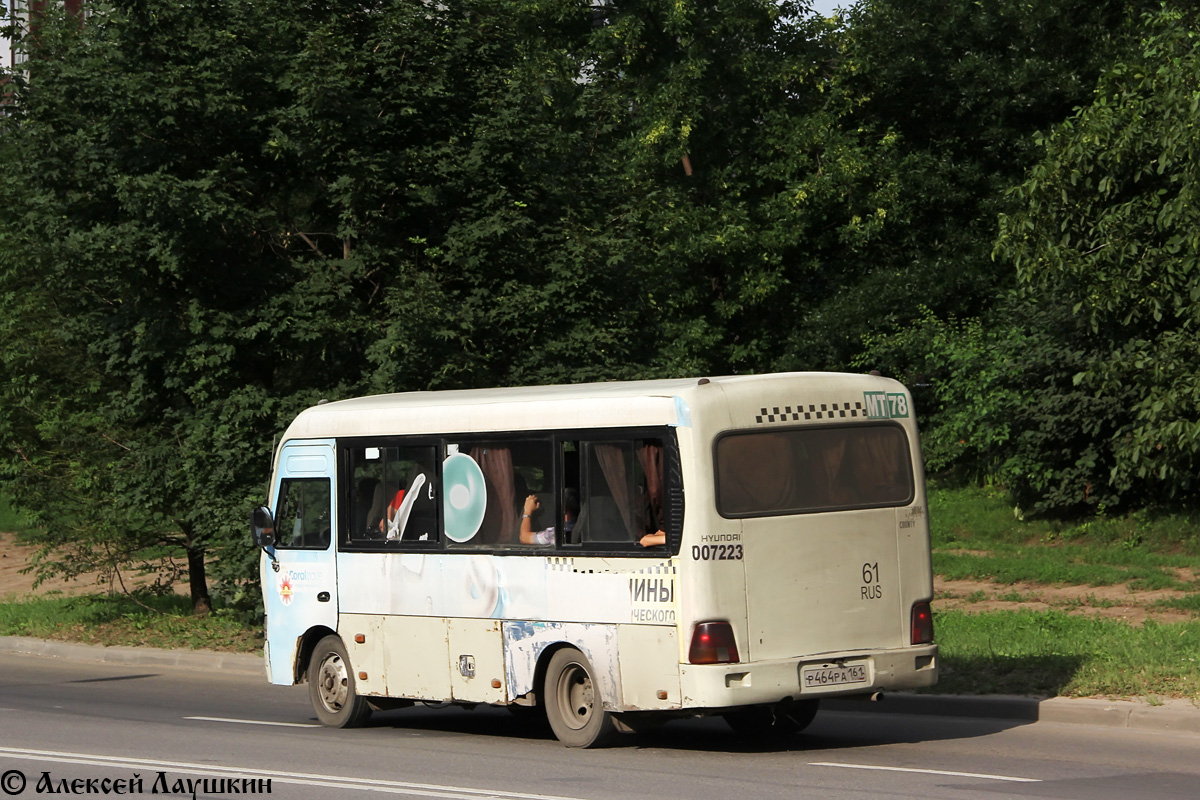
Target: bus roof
[(583, 405)]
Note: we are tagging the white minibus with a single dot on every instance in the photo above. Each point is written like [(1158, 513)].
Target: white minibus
[(611, 554)]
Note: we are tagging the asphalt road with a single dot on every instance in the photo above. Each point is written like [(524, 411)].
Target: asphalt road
[(159, 730)]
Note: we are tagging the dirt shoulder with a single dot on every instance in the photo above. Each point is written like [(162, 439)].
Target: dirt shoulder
[(1118, 601), (15, 583)]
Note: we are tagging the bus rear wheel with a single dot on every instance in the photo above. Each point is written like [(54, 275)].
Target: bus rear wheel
[(574, 708), (773, 721), (331, 686)]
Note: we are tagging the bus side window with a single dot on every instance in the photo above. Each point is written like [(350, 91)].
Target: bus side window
[(393, 494), (368, 501), (412, 511), (621, 490), (511, 470), (303, 518)]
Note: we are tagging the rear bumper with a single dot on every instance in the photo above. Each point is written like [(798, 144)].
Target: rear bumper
[(726, 685)]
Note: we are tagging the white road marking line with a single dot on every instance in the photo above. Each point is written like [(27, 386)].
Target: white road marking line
[(258, 722), (927, 772), (276, 776)]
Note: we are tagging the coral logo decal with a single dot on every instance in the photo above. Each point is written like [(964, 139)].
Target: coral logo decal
[(286, 592)]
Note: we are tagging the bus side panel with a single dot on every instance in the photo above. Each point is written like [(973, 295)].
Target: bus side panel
[(712, 590), (417, 657), (476, 660), (367, 657), (916, 570), (533, 586), (649, 658), (525, 642)]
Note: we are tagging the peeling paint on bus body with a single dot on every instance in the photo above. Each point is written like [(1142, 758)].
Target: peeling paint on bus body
[(526, 642)]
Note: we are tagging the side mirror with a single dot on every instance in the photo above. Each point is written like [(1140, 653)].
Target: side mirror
[(262, 527)]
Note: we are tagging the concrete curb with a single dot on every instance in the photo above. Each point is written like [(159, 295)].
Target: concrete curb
[(239, 663), (1169, 715), (1176, 716)]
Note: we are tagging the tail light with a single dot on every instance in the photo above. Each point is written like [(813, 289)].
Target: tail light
[(713, 643), (922, 623)]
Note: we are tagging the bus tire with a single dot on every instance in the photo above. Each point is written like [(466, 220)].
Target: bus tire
[(331, 686), (574, 708), (772, 721)]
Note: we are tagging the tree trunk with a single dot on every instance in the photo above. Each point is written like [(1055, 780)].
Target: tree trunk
[(197, 576)]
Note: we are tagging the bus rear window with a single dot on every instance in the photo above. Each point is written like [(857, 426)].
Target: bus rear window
[(804, 470)]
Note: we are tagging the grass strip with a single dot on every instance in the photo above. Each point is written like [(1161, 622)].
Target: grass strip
[(968, 516), (1076, 567), (150, 621), (1051, 653), (975, 535)]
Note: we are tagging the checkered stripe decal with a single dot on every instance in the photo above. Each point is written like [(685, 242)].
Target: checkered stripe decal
[(810, 411), (567, 564)]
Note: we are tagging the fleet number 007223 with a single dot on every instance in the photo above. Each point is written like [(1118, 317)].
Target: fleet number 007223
[(716, 552)]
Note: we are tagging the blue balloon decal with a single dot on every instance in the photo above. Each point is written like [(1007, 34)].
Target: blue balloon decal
[(465, 496)]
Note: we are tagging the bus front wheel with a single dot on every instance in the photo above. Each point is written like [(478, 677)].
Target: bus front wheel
[(331, 686), (574, 708), (765, 722)]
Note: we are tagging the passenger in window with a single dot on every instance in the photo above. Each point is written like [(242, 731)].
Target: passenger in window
[(412, 513), (520, 499), (389, 517), (546, 535), (650, 457), (388, 524), (653, 539)]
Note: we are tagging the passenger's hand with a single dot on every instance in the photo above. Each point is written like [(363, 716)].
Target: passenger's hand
[(652, 539), (532, 504)]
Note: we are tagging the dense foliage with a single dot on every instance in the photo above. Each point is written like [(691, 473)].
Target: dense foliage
[(217, 213), (1109, 224)]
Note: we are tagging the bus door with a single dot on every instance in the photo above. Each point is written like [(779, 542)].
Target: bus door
[(299, 578)]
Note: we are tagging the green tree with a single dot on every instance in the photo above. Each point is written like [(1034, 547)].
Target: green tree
[(445, 155), (962, 87), (742, 191), (1109, 222), (568, 191), (220, 214), (154, 321)]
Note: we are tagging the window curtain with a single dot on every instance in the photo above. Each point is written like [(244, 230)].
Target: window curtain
[(500, 518), (612, 464), (650, 456)]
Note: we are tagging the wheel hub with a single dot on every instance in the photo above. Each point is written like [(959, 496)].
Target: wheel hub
[(577, 696), (333, 683)]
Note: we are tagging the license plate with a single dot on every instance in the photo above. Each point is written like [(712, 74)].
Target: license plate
[(816, 677)]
